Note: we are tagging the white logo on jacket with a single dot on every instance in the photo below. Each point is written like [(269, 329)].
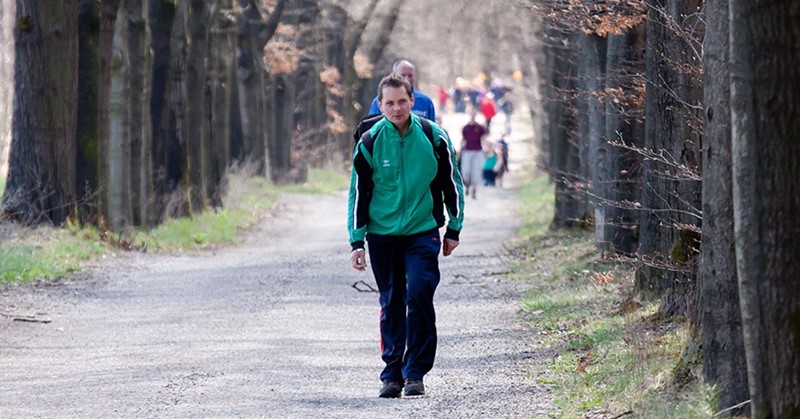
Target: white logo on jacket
[(387, 163)]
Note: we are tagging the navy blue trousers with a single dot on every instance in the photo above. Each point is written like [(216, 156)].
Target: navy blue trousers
[(406, 270)]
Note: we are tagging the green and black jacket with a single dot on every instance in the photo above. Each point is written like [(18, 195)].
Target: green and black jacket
[(400, 186)]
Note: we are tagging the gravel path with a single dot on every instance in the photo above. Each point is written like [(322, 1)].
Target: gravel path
[(269, 328)]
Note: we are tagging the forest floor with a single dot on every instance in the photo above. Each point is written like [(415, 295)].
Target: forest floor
[(276, 326)]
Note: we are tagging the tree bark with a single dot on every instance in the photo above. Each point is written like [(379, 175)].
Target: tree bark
[(161, 14), (177, 159), (718, 315), (570, 203), (250, 84), (134, 14), (283, 97), (198, 143), (221, 73), (594, 163), (88, 121), (624, 122), (252, 35), (108, 18), (668, 240), (765, 90), (310, 110), (118, 157), (335, 57), (7, 12), (41, 178), (309, 117)]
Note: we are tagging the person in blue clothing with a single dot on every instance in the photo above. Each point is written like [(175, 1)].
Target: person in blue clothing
[(402, 184), (423, 105)]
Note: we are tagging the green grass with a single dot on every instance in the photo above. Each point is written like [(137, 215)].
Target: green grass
[(247, 200), (49, 253), (320, 182), (605, 360), (44, 254), (537, 199)]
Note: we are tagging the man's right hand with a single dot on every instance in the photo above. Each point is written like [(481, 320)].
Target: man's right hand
[(448, 246), (358, 259)]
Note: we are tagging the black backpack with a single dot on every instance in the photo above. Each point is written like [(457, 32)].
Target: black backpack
[(365, 123)]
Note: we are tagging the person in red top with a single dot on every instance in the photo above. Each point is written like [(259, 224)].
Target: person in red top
[(488, 108), (471, 155), (442, 98)]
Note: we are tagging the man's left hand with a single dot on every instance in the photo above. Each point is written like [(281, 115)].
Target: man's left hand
[(448, 246)]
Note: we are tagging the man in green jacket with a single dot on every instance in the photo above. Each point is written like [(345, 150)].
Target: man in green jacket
[(402, 181)]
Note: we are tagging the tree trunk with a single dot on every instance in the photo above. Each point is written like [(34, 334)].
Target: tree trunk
[(765, 91), (252, 35), (570, 202), (250, 75), (585, 63), (41, 178), (119, 146), (221, 68), (718, 315), (7, 12), (335, 57), (624, 64), (309, 41), (108, 18), (161, 16), (198, 144), (669, 241), (594, 163), (308, 121), (543, 122), (283, 92), (237, 153), (88, 119), (177, 159), (136, 112)]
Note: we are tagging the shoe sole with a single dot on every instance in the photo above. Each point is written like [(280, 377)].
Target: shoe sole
[(414, 392)]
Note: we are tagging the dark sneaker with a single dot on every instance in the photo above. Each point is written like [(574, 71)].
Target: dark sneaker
[(414, 388), (391, 389)]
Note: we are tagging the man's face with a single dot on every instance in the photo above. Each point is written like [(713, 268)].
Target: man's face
[(407, 72), (396, 104)]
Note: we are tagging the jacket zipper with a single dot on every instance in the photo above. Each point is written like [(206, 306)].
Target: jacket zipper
[(402, 178)]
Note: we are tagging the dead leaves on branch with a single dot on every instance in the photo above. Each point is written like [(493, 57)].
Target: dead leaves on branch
[(602, 18), (332, 79)]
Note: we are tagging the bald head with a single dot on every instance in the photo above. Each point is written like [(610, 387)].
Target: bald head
[(406, 70)]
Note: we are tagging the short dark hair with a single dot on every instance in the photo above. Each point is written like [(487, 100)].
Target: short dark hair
[(393, 80)]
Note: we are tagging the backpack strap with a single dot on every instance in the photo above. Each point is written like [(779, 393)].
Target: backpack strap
[(428, 130), (368, 141), (364, 125)]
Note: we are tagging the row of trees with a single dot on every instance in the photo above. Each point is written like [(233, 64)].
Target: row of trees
[(672, 129), (129, 111)]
